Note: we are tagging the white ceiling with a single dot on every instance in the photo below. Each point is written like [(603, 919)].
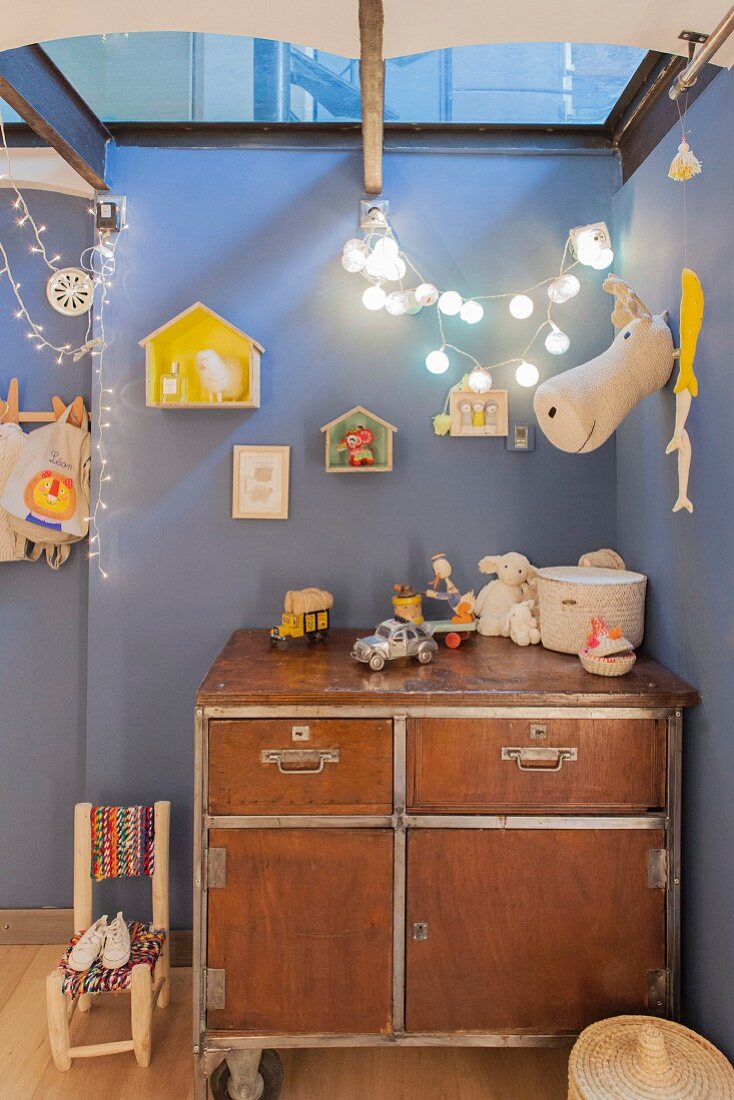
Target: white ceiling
[(411, 26)]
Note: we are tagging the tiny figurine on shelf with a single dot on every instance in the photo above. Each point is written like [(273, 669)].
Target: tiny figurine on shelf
[(462, 621), (395, 638), (607, 652), (407, 603), (305, 615), (357, 442), (222, 379), (514, 584)]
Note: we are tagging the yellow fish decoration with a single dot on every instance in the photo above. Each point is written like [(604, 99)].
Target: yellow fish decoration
[(691, 318)]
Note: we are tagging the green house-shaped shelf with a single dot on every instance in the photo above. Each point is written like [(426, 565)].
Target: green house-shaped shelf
[(219, 365), (349, 453)]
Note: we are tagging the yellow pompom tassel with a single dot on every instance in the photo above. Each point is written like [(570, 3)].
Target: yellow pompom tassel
[(442, 424), (685, 164)]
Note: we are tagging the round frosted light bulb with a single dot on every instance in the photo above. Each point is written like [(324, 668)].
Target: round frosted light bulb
[(521, 306), (412, 305), (587, 247), (426, 294), (396, 303), (378, 265), (527, 374), (374, 297), (480, 380), (604, 259), (358, 243), (387, 246), (400, 267), (563, 288), (557, 342), (471, 312), (437, 361), (450, 303), (353, 260)]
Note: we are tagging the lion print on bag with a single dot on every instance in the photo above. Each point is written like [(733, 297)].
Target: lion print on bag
[(50, 499)]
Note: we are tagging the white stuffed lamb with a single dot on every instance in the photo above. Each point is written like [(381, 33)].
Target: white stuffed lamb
[(521, 625), (497, 598)]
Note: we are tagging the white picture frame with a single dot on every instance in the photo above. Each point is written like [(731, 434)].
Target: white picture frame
[(260, 482)]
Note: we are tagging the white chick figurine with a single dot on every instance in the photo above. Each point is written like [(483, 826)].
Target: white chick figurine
[(223, 379)]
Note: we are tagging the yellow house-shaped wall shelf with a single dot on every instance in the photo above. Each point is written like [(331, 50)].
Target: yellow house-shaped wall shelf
[(349, 448), (218, 364)]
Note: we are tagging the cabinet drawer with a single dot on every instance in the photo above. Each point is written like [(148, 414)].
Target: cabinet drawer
[(571, 765), (278, 766)]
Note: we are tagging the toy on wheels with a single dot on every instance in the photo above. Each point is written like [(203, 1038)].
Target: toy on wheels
[(305, 615), (462, 623)]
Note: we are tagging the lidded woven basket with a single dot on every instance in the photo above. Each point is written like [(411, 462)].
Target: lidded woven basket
[(636, 1058), (570, 596)]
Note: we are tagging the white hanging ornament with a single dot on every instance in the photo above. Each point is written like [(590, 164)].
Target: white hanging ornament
[(387, 246), (557, 342), (70, 291), (437, 362), (396, 303), (450, 303), (521, 306), (426, 294), (374, 298), (471, 312), (412, 305), (685, 164), (562, 289), (527, 374), (603, 260), (480, 380)]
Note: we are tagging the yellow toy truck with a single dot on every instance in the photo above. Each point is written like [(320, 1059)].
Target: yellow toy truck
[(305, 615)]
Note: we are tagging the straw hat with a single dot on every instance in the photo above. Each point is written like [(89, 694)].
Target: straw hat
[(635, 1058)]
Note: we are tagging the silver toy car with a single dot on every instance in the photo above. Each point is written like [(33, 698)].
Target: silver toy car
[(395, 638)]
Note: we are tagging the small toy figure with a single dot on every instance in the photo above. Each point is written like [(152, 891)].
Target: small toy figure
[(357, 441), (462, 621), (222, 379), (407, 603), (395, 638), (442, 570), (478, 415), (305, 614)]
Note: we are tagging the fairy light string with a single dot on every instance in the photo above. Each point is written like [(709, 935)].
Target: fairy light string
[(98, 261), (379, 259)]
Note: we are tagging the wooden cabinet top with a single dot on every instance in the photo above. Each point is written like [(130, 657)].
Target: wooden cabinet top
[(483, 672)]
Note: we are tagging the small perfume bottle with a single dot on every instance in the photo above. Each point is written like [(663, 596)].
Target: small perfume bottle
[(173, 386)]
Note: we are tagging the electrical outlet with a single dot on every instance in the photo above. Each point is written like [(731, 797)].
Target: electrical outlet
[(109, 212), (521, 437)]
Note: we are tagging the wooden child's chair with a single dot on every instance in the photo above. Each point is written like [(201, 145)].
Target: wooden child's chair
[(115, 842)]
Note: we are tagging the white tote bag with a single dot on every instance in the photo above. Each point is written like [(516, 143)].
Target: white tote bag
[(47, 493)]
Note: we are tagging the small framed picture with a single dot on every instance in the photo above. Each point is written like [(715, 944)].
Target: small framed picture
[(260, 481)]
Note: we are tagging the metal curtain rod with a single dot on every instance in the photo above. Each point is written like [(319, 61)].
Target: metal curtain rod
[(715, 40)]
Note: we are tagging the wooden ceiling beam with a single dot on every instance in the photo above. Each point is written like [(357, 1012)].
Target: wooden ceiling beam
[(372, 87), (33, 86)]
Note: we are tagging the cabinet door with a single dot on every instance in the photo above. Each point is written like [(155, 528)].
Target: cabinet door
[(541, 930), (303, 931)]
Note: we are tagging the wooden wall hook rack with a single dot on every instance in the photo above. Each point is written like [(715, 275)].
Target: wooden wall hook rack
[(10, 412)]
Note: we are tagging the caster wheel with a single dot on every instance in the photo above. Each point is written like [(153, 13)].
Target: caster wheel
[(270, 1070), (453, 640)]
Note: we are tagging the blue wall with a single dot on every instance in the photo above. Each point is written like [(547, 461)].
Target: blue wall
[(257, 236), (43, 614), (690, 610)]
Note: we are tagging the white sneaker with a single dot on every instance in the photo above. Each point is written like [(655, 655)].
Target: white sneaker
[(116, 944), (89, 946)]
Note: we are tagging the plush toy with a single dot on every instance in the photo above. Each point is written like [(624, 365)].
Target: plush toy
[(602, 559), (357, 442), (222, 379), (521, 625), (497, 598), (579, 409)]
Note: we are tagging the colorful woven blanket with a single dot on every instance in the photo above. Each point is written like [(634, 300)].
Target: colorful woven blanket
[(146, 944), (122, 841)]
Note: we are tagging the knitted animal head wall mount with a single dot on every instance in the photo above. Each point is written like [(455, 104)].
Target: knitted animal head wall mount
[(579, 409)]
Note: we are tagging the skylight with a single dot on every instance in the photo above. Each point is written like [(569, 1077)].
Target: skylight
[(175, 77)]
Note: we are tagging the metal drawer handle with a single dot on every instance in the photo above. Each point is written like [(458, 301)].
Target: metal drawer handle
[(301, 761), (539, 760)]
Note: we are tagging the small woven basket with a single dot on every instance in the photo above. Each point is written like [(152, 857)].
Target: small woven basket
[(570, 596), (616, 665), (636, 1058)]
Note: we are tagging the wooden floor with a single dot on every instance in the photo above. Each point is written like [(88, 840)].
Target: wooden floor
[(27, 1072)]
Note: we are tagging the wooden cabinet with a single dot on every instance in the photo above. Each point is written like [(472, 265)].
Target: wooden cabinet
[(542, 930), (483, 851)]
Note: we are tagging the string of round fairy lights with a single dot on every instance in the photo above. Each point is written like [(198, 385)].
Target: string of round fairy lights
[(378, 257), (98, 261)]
